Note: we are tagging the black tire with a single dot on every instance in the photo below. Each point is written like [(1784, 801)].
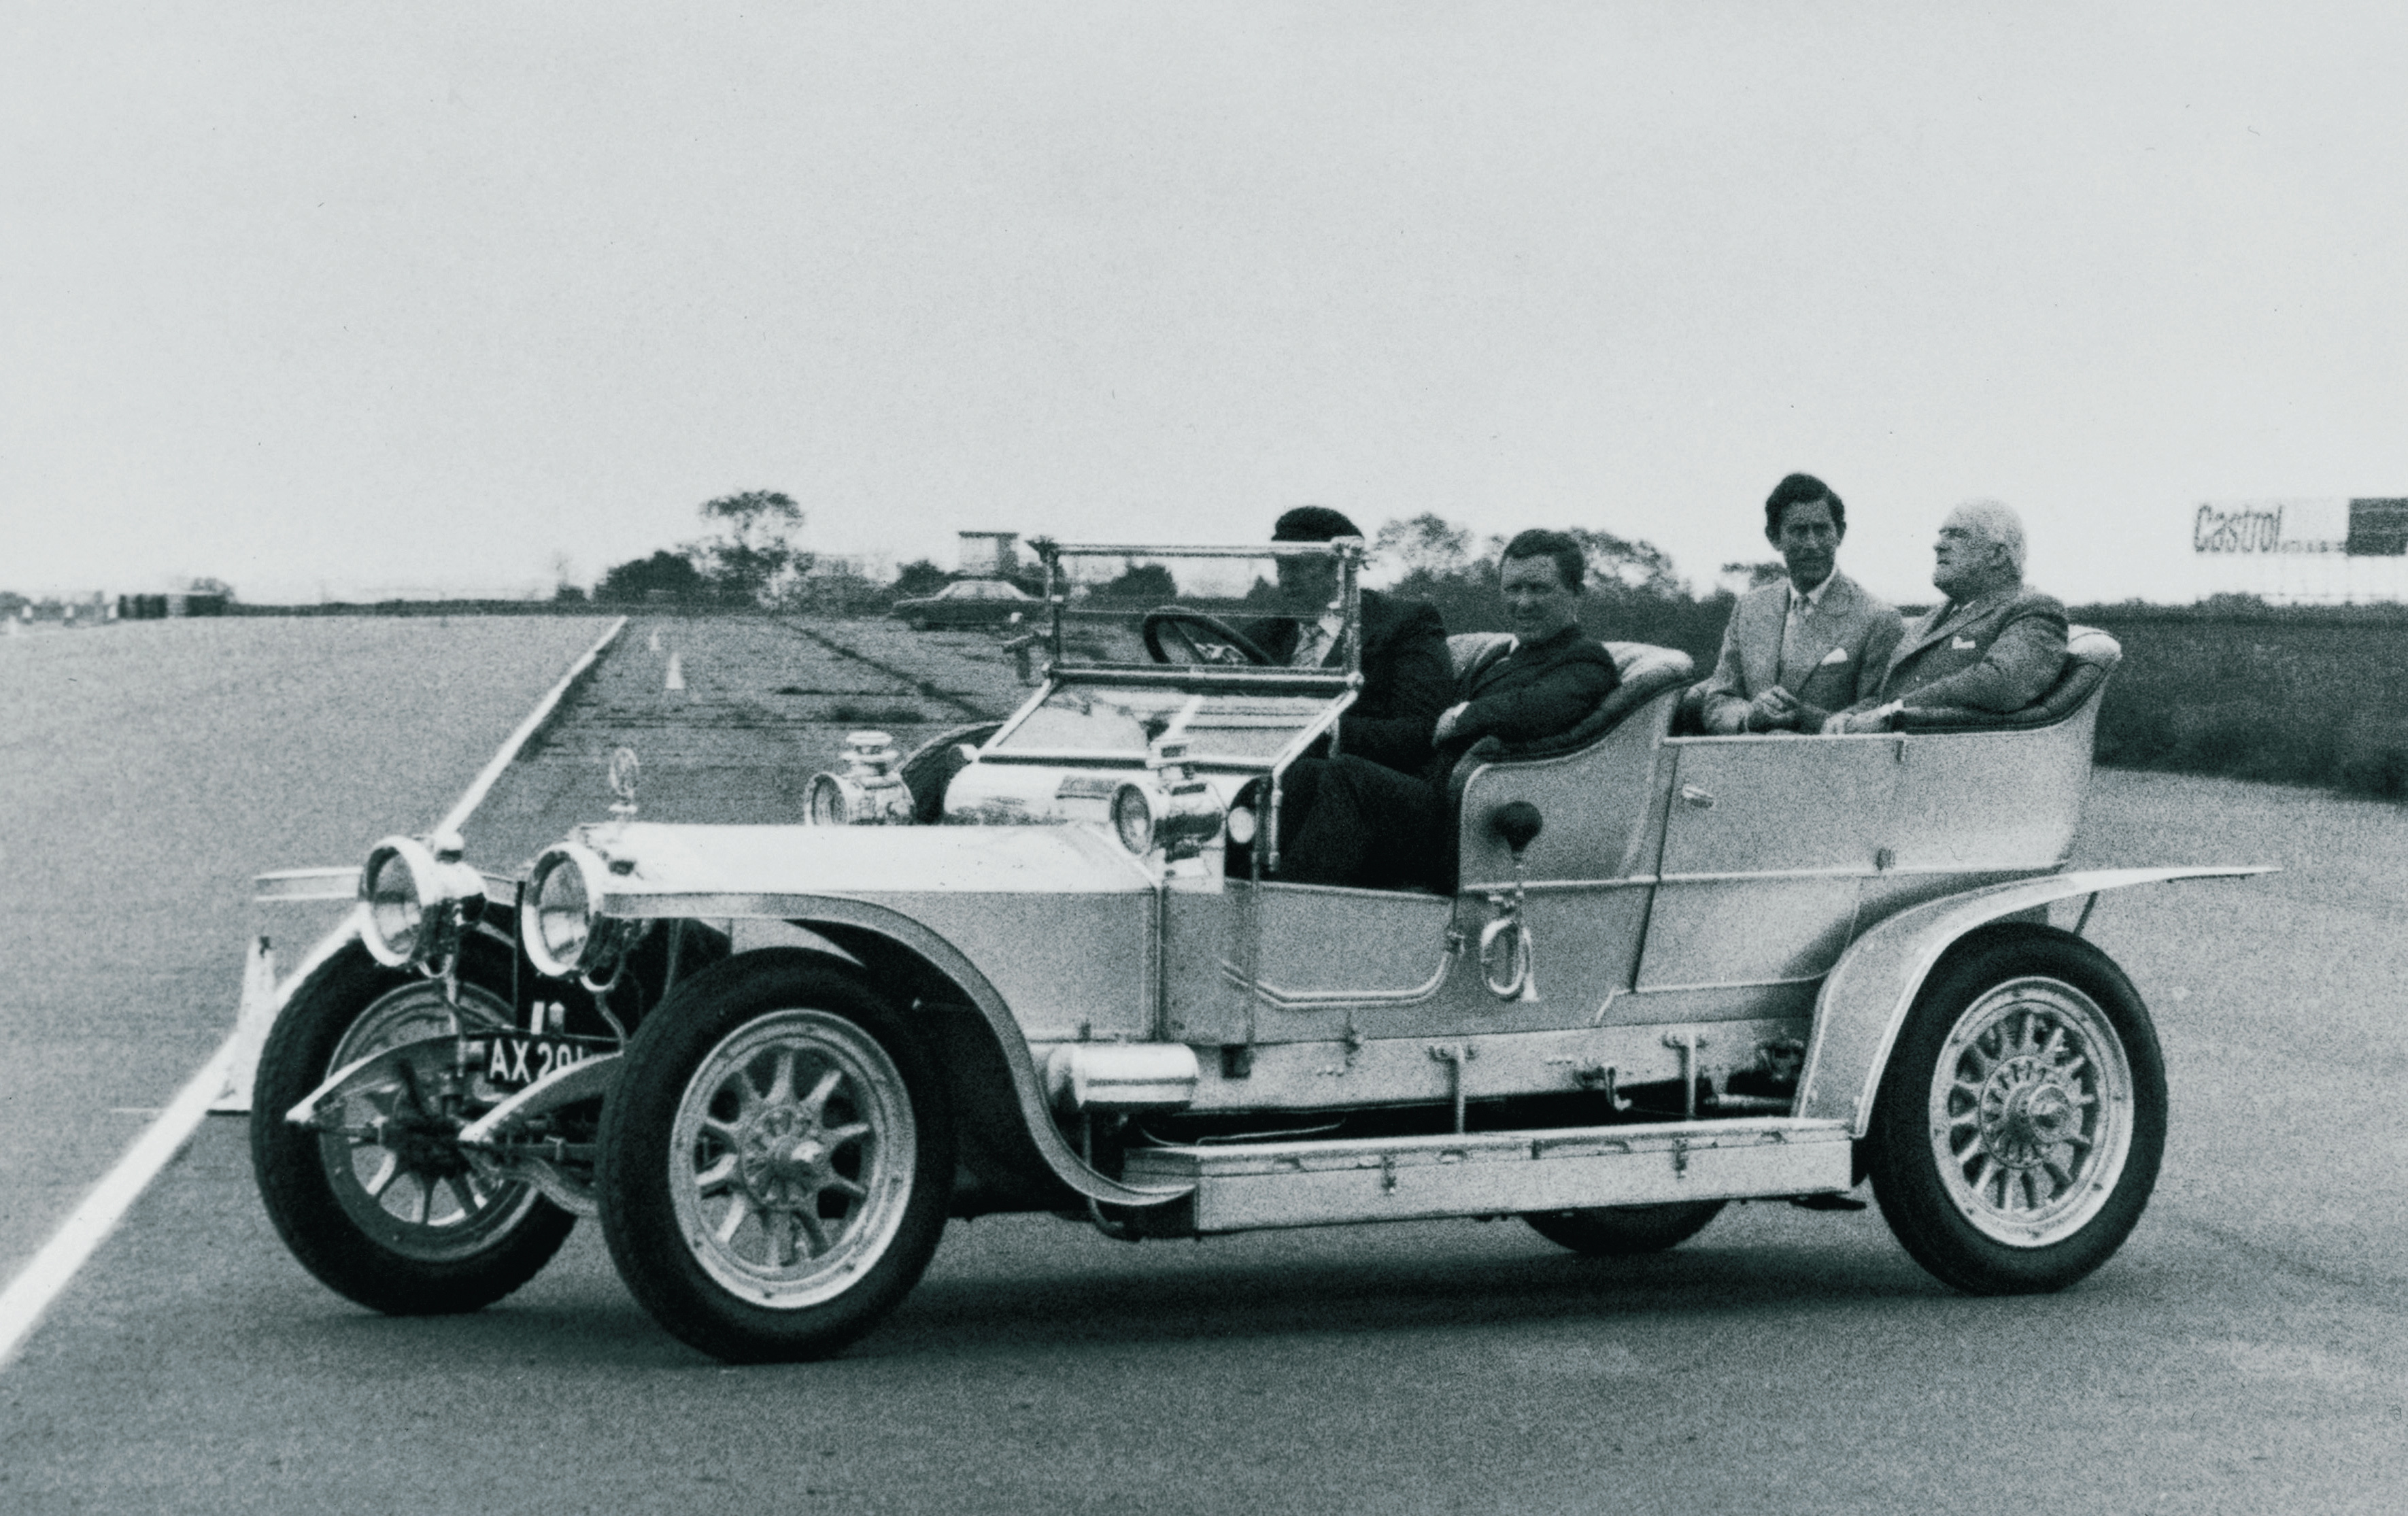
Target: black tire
[(702, 1197), (1624, 1231), (474, 1241), (2020, 1122)]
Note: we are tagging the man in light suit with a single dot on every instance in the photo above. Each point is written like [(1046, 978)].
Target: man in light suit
[(1811, 644), (1992, 645)]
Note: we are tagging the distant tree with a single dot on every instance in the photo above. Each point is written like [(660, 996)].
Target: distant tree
[(566, 594), (206, 585), (1426, 544), (1740, 578), (920, 577), (672, 573), (752, 559), (1150, 582), (1623, 563)]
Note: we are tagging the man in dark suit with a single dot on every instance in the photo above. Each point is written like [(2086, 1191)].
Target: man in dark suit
[(1550, 676), (1811, 644), (1368, 826), (1992, 645), (1364, 816), (1407, 679)]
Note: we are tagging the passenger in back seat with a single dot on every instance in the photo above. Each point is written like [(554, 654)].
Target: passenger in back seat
[(1805, 646), (1992, 645), (1348, 822), (1552, 676)]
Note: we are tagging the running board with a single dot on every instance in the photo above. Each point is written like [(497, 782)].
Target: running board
[(1241, 1188)]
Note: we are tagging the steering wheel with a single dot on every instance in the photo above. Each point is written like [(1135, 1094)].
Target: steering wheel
[(1227, 644)]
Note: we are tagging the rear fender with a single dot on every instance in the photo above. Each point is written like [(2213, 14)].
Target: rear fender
[(1867, 996)]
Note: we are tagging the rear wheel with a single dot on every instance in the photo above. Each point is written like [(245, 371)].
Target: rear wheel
[(1624, 1231), (386, 1210), (776, 1159), (2019, 1127)]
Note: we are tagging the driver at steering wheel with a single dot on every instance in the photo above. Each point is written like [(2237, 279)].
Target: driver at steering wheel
[(1407, 677), (1365, 817)]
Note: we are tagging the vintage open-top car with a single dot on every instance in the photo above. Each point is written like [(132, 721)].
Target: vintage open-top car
[(1048, 964)]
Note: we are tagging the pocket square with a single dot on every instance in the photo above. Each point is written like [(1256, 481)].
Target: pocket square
[(1962, 644), (1837, 655)]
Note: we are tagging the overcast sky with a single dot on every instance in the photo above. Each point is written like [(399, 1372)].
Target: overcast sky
[(374, 296)]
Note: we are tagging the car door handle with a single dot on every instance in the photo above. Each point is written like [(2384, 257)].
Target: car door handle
[(1691, 795)]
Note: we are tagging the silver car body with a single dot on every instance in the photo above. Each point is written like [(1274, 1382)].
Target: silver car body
[(1694, 908)]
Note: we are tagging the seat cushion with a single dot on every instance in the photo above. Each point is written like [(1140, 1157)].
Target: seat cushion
[(1647, 670), (1467, 650)]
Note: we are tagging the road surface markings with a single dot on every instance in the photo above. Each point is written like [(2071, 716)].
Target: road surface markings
[(42, 1281), (677, 674)]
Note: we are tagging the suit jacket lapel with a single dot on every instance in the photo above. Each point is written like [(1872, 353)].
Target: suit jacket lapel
[(1921, 634), (1946, 620), (1760, 650)]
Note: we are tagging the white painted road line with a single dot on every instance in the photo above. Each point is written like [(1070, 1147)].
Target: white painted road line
[(30, 1293), (677, 674), (52, 1269), (475, 795)]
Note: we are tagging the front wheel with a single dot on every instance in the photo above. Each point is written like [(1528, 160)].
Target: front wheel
[(2019, 1125), (775, 1160), (385, 1208), (1624, 1231)]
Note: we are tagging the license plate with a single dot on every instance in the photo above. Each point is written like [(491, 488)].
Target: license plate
[(513, 1061)]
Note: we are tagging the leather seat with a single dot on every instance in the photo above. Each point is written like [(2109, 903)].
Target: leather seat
[(1646, 671)]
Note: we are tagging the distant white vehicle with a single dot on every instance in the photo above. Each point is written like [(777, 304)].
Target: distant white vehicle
[(1675, 971)]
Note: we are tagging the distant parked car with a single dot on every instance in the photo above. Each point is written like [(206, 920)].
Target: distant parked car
[(968, 602)]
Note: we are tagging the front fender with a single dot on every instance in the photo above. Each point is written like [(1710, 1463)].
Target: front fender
[(1866, 997), (838, 919)]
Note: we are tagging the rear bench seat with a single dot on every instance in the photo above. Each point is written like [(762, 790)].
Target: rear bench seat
[(1646, 671)]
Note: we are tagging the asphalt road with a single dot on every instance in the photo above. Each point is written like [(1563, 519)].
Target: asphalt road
[(147, 772), (2246, 1352)]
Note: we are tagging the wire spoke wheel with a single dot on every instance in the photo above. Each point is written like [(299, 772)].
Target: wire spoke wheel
[(791, 1158), (776, 1159), (2032, 1112), (393, 1166), (2017, 1130), (381, 1204)]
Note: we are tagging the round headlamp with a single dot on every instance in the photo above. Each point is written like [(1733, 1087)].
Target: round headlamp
[(560, 923), (1133, 819), (834, 800), (416, 899)]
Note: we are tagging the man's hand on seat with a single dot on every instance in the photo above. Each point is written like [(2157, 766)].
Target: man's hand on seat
[(1875, 720), (1774, 710)]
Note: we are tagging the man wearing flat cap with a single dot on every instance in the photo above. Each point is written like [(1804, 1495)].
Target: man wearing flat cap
[(1366, 816), (1407, 679)]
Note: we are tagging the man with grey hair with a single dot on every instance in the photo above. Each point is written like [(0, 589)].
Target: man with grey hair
[(1991, 645)]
